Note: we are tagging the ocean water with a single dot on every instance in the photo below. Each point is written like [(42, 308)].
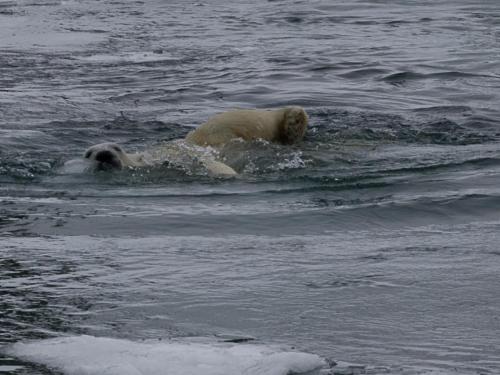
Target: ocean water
[(370, 248)]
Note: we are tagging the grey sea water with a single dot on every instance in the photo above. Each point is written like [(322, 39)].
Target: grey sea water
[(373, 244)]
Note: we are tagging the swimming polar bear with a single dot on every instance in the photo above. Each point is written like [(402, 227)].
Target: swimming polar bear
[(108, 156), (286, 125)]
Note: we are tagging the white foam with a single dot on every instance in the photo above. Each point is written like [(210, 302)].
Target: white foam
[(76, 166), (88, 355), (293, 161)]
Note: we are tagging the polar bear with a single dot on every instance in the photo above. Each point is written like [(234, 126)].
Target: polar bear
[(286, 125), (109, 156)]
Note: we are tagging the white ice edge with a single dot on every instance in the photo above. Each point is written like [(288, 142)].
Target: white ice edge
[(88, 355)]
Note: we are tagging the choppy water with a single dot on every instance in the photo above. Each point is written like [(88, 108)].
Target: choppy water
[(373, 244)]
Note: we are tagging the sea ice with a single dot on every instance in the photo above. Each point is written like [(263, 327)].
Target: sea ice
[(88, 355)]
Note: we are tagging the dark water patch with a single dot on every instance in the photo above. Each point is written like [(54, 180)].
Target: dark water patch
[(320, 66), (85, 30), (343, 126), (375, 258), (294, 19), (25, 166), (457, 206), (445, 132), (331, 184), (364, 73), (431, 167), (42, 3), (397, 23), (296, 61), (11, 268), (482, 123), (288, 18), (7, 4), (26, 140), (426, 19), (358, 21), (346, 203), (402, 78), (338, 281), (27, 309), (238, 23), (120, 127), (11, 366), (7, 12), (415, 250), (445, 110), (28, 66), (315, 18)]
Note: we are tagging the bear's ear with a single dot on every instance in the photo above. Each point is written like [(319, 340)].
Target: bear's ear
[(294, 125)]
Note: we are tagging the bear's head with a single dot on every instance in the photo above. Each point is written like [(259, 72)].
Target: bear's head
[(294, 125), (107, 156)]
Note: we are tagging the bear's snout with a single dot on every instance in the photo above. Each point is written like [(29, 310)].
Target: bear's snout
[(104, 156), (108, 159)]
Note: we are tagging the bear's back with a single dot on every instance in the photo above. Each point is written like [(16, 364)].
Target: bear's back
[(245, 124)]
